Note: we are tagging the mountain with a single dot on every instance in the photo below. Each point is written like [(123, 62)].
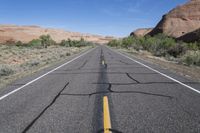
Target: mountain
[(180, 21), (141, 32), (28, 33)]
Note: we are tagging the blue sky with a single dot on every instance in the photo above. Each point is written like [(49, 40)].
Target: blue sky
[(103, 17)]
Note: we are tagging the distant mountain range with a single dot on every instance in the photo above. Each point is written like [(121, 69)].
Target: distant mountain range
[(27, 33), (181, 22)]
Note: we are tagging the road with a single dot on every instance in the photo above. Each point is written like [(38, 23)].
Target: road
[(71, 98)]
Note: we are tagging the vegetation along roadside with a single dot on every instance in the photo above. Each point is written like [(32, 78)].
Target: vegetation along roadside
[(18, 59), (175, 55)]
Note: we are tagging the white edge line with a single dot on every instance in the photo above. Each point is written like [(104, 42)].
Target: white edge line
[(12, 92), (175, 80)]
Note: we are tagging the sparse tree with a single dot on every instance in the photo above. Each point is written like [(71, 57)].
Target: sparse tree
[(46, 40)]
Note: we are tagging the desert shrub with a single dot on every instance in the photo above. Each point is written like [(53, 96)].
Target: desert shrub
[(68, 54), (35, 43), (158, 45), (32, 64), (162, 45), (136, 44), (193, 46), (75, 43), (46, 40), (176, 50), (114, 43), (43, 42), (127, 42), (192, 58), (19, 44), (72, 43), (65, 43), (6, 71), (80, 43)]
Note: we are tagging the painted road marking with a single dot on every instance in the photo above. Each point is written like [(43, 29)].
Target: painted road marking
[(103, 62), (106, 115), (12, 92), (175, 80)]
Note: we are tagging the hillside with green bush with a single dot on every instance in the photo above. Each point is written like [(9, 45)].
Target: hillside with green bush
[(162, 46)]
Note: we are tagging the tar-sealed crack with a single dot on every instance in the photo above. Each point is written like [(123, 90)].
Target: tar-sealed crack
[(110, 55), (45, 109), (79, 68), (124, 62), (84, 63), (132, 78), (109, 90), (98, 72)]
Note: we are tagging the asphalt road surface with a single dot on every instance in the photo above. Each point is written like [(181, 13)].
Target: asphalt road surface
[(142, 98)]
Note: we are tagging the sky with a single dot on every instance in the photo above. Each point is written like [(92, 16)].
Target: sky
[(103, 17)]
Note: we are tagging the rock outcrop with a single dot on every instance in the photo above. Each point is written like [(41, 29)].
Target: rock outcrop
[(141, 32), (180, 21), (191, 37), (25, 34)]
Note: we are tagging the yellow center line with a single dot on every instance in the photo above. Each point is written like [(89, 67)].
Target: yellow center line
[(106, 115), (103, 62)]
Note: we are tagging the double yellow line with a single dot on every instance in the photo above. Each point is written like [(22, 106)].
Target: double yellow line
[(106, 115)]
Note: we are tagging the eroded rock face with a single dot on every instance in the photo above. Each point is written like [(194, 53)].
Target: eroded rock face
[(180, 21), (191, 36), (141, 32), (27, 33)]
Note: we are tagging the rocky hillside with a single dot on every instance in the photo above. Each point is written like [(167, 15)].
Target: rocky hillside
[(141, 32), (180, 21), (191, 36), (28, 33)]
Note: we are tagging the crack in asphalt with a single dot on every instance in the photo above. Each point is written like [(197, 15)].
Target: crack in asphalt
[(118, 92), (124, 62), (45, 109), (113, 67), (85, 62), (79, 68), (110, 55), (132, 78), (124, 67), (147, 83), (91, 94), (96, 72)]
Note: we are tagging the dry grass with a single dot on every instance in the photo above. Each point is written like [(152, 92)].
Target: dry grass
[(17, 62)]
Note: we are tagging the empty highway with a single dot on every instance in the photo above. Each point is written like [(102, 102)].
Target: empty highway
[(101, 90)]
